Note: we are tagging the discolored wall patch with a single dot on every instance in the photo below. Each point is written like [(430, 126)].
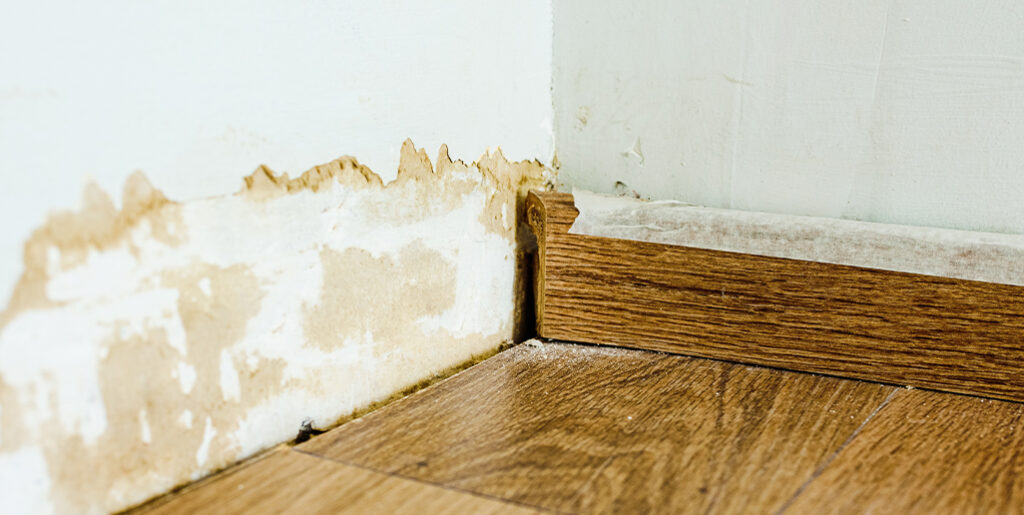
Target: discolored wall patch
[(417, 283), (146, 347)]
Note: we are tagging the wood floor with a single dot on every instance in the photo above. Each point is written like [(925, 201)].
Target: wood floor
[(553, 427)]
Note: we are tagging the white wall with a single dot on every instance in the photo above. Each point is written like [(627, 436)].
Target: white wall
[(894, 111), (197, 94)]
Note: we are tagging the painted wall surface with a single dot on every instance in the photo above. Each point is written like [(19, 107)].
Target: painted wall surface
[(193, 92), (898, 111)]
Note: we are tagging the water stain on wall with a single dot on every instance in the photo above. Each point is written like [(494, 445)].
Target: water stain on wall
[(69, 236), (427, 287), (145, 347), (145, 403)]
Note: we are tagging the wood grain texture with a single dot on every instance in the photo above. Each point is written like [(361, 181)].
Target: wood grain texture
[(927, 452), (594, 429), (949, 334), (289, 481)]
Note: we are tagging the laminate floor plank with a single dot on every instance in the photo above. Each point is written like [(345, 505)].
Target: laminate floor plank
[(927, 452), (594, 429), (289, 481)]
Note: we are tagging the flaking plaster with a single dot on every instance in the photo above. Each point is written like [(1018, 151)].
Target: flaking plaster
[(147, 346)]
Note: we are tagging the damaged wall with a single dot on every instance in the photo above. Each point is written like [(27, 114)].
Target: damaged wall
[(147, 346), (896, 111), (191, 92), (145, 342)]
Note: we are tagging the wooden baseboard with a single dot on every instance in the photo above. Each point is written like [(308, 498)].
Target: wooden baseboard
[(894, 327)]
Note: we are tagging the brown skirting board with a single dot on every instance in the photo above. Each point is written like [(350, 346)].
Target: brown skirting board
[(902, 328)]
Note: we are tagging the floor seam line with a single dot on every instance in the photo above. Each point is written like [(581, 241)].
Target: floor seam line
[(821, 469), (583, 488), (425, 482)]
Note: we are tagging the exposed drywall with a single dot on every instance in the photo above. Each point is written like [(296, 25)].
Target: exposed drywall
[(972, 255), (896, 111), (146, 346), (192, 91)]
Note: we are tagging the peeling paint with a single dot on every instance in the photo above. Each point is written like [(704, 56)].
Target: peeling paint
[(635, 150), (975, 256), (146, 347)]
